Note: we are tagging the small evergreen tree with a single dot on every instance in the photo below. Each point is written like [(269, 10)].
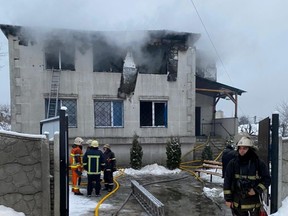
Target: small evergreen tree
[(207, 153), (173, 152), (136, 153)]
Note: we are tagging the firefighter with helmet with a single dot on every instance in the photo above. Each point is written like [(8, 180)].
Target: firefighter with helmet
[(246, 178), (110, 167), (76, 164)]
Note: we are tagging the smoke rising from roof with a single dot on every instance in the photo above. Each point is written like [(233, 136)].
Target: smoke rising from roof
[(250, 36)]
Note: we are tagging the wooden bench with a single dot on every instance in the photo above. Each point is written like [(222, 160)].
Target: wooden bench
[(209, 164)]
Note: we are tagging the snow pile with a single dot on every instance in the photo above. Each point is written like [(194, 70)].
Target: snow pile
[(9, 211), (213, 192), (283, 210), (153, 169)]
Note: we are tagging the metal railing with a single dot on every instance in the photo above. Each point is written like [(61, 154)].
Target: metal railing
[(151, 204)]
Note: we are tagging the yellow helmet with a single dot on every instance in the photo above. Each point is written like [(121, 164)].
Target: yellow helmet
[(94, 143)]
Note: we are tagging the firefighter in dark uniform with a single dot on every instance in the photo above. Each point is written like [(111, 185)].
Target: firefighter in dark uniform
[(110, 167), (93, 162), (245, 180), (228, 154)]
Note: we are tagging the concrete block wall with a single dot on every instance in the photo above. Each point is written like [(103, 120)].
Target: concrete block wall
[(283, 169), (24, 173)]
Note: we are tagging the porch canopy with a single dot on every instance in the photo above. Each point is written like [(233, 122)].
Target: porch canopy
[(218, 91)]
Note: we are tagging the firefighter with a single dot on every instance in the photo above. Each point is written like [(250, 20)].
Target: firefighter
[(88, 142), (76, 164), (228, 154), (93, 161), (245, 180), (110, 167)]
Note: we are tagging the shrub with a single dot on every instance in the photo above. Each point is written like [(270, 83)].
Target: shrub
[(207, 153), (136, 153), (173, 152)]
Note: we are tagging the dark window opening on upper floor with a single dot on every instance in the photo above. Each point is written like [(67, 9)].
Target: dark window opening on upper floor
[(107, 58), (152, 60), (60, 56)]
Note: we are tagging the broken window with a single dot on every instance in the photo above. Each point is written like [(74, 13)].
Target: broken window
[(107, 57), (152, 60), (153, 114), (108, 113), (71, 105), (60, 56)]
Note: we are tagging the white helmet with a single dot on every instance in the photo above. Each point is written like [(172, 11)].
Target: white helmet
[(89, 141), (245, 141), (94, 143), (78, 141)]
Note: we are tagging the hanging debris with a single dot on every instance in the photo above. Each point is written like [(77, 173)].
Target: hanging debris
[(128, 78)]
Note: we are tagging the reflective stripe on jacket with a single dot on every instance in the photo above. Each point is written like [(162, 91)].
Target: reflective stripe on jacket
[(254, 172), (93, 161), (76, 158)]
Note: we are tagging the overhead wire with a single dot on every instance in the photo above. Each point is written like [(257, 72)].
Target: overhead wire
[(210, 39), (213, 45)]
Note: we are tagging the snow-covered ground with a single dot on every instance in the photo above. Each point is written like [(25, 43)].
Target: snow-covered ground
[(80, 203)]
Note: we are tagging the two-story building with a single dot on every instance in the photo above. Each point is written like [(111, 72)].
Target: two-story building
[(115, 85)]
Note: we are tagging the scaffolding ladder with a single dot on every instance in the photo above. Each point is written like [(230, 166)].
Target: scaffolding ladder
[(52, 109)]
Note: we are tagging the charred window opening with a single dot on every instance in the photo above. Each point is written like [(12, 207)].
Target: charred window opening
[(60, 56), (107, 58), (152, 59), (153, 114), (158, 58), (172, 65)]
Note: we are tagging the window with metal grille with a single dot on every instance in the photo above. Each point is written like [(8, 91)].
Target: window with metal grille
[(153, 114), (71, 111), (108, 113)]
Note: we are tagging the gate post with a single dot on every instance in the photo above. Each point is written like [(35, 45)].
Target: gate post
[(274, 162), (63, 149)]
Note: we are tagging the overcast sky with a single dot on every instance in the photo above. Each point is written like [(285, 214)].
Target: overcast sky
[(250, 37)]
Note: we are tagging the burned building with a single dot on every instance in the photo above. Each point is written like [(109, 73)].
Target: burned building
[(114, 84)]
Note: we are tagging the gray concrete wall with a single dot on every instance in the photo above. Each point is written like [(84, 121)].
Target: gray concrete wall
[(30, 83), (154, 149), (283, 170), (24, 173), (206, 104), (229, 126)]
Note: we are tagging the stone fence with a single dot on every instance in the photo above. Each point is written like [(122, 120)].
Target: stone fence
[(24, 173), (283, 170)]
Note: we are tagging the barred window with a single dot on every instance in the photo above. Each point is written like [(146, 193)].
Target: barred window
[(108, 113), (71, 111), (153, 114)]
